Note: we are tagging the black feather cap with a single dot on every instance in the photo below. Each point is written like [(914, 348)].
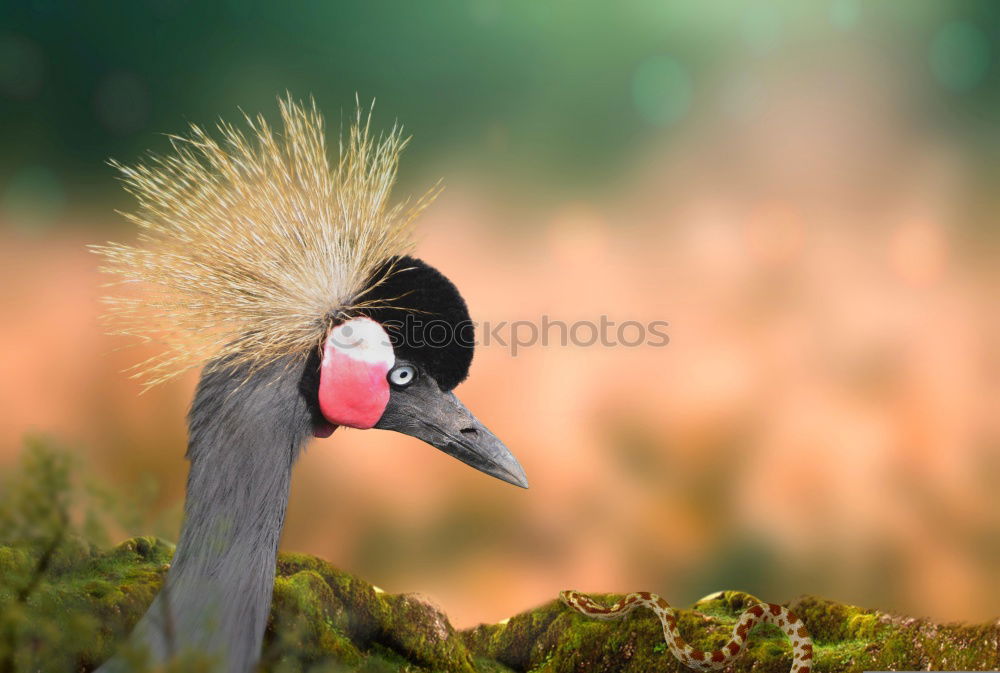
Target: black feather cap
[(425, 316)]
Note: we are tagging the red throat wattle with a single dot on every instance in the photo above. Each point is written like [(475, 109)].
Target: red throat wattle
[(353, 389)]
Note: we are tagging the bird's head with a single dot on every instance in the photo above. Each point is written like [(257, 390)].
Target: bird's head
[(257, 249), (394, 366)]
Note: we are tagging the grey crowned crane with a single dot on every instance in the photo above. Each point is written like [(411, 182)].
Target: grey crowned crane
[(288, 279)]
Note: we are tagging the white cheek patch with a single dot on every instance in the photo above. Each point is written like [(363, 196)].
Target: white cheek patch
[(353, 390), (363, 339)]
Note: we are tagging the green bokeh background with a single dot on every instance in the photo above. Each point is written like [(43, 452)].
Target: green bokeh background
[(547, 99)]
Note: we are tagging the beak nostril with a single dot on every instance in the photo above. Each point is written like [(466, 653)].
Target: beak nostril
[(472, 432)]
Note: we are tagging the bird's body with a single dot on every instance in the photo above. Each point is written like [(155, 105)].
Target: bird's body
[(288, 280)]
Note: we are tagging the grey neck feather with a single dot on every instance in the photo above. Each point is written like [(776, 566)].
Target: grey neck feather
[(244, 437)]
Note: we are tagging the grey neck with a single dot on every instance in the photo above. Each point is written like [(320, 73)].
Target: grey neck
[(244, 438)]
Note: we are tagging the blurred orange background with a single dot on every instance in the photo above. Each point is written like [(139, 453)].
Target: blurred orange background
[(805, 194)]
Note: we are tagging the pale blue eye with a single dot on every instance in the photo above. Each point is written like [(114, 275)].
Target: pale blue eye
[(403, 375)]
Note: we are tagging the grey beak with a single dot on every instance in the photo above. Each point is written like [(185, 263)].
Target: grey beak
[(424, 411)]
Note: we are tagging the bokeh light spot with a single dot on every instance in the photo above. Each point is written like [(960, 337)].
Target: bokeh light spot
[(121, 103), (21, 67), (485, 12), (960, 55), (844, 14), (32, 198), (762, 28), (661, 90)]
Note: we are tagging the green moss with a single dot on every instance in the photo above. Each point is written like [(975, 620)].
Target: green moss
[(14, 562), (513, 643), (484, 665), (377, 624), (849, 639), (324, 620), (830, 622), (305, 627), (423, 633), (363, 612), (86, 601), (726, 604), (863, 625)]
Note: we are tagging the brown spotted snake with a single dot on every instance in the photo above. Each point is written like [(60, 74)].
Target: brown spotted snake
[(802, 647)]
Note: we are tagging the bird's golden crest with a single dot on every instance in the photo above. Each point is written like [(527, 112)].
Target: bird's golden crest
[(251, 243)]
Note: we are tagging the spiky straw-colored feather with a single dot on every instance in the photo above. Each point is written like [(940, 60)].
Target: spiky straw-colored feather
[(251, 244)]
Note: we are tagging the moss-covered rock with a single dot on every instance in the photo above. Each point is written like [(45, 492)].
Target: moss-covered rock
[(83, 605), (846, 638), (513, 643), (306, 625), (362, 613), (424, 634), (323, 619)]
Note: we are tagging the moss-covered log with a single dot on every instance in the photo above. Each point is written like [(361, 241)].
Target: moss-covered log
[(326, 620)]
